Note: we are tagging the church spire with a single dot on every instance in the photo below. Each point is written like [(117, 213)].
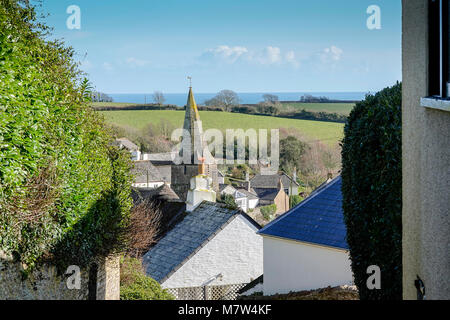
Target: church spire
[(192, 126)]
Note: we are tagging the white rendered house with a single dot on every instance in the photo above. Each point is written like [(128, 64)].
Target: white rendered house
[(213, 245), (305, 248)]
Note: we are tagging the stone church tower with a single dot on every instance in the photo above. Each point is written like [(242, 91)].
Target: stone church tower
[(193, 152)]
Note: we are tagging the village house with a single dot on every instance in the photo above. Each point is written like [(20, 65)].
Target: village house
[(211, 247), (277, 196), (244, 199), (146, 175), (262, 183), (163, 162), (306, 247), (124, 143)]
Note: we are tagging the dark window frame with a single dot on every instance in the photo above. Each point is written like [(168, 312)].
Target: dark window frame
[(439, 64)]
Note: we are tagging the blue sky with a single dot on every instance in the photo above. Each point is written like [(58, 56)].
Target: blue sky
[(139, 46)]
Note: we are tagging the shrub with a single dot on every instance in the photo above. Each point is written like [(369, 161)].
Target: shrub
[(268, 211), (64, 191), (136, 285), (371, 188), (228, 200), (294, 200)]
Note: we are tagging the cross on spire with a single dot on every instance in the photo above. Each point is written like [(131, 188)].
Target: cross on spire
[(190, 82)]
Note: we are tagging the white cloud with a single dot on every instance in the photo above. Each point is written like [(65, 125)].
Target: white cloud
[(290, 58), (270, 55), (225, 54), (331, 54), (134, 62), (230, 55), (107, 66)]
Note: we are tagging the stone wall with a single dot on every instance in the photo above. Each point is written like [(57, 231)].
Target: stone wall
[(45, 283)]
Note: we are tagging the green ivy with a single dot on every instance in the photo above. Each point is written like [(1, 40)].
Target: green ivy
[(372, 191), (64, 191)]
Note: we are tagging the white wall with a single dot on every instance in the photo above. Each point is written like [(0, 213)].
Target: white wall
[(295, 266), (236, 252), (151, 185), (252, 203), (135, 155)]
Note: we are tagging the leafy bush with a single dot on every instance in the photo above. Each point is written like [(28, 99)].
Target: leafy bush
[(372, 194), (228, 200), (136, 285), (292, 151), (64, 191), (268, 211), (294, 200)]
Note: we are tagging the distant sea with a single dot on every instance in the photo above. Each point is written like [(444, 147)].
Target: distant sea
[(179, 99)]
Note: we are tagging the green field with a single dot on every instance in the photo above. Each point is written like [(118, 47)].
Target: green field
[(113, 104), (341, 108), (328, 132)]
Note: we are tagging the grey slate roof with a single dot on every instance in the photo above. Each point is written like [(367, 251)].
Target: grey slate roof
[(266, 193), (318, 219), (163, 193), (160, 158), (187, 237), (124, 142), (144, 170), (271, 181), (248, 194)]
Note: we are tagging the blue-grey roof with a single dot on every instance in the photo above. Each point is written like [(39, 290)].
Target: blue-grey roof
[(318, 219), (186, 238)]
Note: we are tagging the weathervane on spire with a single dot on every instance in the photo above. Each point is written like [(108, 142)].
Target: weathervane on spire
[(190, 82)]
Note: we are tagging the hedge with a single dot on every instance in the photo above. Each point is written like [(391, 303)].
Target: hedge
[(64, 191), (136, 285), (371, 188)]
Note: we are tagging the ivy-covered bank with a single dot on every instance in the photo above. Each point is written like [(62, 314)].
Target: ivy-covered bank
[(64, 191)]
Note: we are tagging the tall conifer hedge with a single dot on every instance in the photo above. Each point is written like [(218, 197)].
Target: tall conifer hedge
[(64, 191), (372, 191)]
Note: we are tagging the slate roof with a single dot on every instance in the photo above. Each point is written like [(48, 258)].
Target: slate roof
[(163, 193), (271, 181), (160, 158), (248, 194), (266, 193), (223, 186), (187, 237), (318, 219), (124, 142), (144, 170)]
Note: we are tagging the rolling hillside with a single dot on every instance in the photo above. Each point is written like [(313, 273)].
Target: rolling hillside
[(328, 132)]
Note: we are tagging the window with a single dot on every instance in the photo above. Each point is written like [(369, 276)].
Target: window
[(439, 56), (439, 62)]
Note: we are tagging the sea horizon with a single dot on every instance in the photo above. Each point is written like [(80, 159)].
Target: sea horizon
[(179, 99)]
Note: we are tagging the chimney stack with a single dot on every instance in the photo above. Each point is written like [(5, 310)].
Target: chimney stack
[(201, 189), (247, 180)]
